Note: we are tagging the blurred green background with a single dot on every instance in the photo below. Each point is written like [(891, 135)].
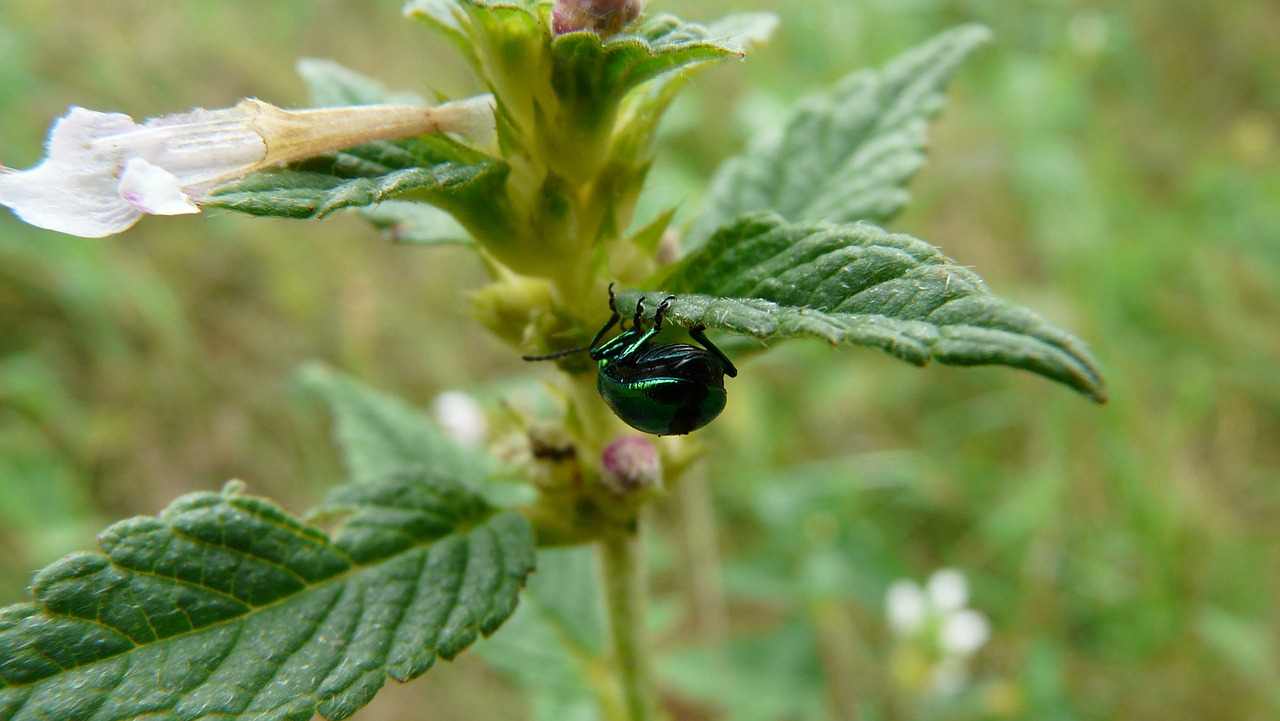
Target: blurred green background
[(1112, 165)]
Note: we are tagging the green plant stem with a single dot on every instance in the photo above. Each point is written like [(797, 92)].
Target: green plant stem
[(625, 595)]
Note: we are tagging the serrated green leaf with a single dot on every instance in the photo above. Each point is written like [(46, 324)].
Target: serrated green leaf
[(224, 606), (381, 434), (848, 154), (291, 193), (861, 285)]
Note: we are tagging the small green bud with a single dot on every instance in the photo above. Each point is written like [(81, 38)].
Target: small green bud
[(605, 17)]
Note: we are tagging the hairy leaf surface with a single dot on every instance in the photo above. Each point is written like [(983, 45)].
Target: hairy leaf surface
[(223, 606), (848, 154), (354, 179), (861, 285)]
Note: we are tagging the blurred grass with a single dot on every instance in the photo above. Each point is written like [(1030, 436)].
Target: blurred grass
[(1113, 166)]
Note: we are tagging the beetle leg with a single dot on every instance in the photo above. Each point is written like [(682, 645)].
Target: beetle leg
[(613, 300), (638, 344), (697, 334), (595, 342)]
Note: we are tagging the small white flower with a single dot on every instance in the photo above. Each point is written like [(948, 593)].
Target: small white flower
[(462, 418), (964, 632), (935, 624), (103, 171), (907, 607), (948, 590)]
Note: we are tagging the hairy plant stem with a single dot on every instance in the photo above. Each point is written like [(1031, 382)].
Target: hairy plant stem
[(625, 596)]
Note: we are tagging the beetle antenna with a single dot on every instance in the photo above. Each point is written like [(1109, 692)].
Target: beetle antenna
[(553, 356)]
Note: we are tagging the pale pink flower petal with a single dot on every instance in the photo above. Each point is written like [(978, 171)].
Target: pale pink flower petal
[(154, 190), (74, 189)]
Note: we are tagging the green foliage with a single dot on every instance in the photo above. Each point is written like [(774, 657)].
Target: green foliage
[(405, 221), (315, 190), (554, 645), (861, 285), (239, 610), (1090, 167), (381, 434), (847, 154)]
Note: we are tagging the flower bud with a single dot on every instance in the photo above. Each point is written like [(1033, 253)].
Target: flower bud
[(630, 467), (605, 17)]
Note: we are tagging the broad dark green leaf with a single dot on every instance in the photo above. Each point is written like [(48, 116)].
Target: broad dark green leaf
[(224, 606), (848, 154), (861, 285)]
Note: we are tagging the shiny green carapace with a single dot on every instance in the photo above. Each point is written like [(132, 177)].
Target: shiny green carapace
[(666, 389)]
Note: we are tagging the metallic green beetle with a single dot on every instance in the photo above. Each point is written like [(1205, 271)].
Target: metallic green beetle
[(667, 389)]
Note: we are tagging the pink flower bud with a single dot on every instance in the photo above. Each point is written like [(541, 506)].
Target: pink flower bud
[(605, 17), (630, 466)]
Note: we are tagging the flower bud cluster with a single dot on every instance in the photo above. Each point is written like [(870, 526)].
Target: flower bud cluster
[(937, 633), (605, 17)]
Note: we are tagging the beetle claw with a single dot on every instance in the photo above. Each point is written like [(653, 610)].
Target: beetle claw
[(635, 320), (662, 312)]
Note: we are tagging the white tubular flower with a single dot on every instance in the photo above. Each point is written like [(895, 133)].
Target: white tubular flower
[(103, 171)]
